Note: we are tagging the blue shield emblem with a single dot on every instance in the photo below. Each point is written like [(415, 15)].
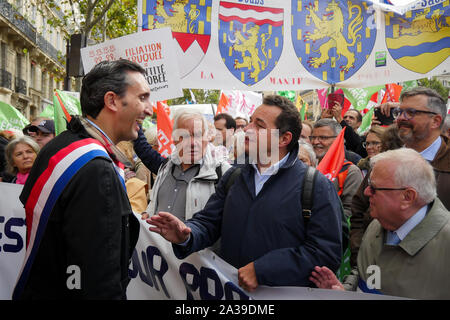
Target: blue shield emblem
[(420, 39), (250, 39), (331, 38), (190, 21)]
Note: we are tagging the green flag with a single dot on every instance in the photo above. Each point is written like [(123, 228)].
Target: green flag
[(11, 118), (48, 112), (408, 85), (366, 121), (287, 94), (359, 97), (65, 105)]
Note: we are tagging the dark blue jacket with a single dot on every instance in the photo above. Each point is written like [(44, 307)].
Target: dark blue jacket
[(269, 228)]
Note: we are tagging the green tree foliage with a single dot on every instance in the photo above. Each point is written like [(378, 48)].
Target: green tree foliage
[(96, 19), (435, 84), (201, 96)]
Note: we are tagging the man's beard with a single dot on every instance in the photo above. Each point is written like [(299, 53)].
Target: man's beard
[(410, 136)]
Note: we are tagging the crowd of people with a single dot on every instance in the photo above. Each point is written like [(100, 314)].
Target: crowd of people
[(237, 186)]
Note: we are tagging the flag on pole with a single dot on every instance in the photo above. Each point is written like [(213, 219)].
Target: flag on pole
[(164, 126), (224, 103), (48, 112), (11, 118), (65, 105), (392, 93), (333, 160), (302, 107)]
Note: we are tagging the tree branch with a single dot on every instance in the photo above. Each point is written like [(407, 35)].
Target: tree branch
[(100, 16)]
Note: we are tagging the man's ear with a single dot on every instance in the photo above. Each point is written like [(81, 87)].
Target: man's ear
[(285, 139), (409, 197), (110, 100), (437, 120)]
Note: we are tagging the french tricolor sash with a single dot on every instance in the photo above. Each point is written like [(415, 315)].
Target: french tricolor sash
[(46, 191), (362, 285)]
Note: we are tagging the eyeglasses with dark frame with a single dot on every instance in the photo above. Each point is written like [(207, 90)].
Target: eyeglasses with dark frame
[(374, 189), (321, 138), (409, 112)]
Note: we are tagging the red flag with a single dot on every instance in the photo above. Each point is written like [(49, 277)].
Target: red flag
[(224, 102), (393, 92), (333, 160), (164, 126)]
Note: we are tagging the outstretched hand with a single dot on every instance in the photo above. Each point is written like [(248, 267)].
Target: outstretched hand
[(324, 278), (169, 227)]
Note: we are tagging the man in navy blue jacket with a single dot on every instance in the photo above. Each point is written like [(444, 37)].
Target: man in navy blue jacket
[(259, 219)]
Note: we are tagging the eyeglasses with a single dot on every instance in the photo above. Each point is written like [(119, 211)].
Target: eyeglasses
[(321, 138), (374, 189), (409, 112), (367, 144)]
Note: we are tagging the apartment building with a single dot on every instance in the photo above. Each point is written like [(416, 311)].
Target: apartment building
[(32, 55)]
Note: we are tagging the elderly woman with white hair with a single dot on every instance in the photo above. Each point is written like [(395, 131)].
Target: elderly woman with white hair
[(20, 154), (306, 153)]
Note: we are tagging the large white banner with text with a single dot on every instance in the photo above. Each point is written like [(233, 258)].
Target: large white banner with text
[(155, 272), (302, 44)]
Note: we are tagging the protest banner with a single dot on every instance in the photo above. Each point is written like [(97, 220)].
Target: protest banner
[(291, 45), (155, 272), (12, 239), (153, 50), (11, 118), (65, 105), (238, 103)]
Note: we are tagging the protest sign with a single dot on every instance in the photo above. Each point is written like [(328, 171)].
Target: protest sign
[(153, 50)]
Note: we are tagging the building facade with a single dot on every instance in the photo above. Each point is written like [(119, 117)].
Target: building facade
[(32, 55)]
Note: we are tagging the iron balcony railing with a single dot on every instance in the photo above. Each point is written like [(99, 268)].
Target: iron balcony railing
[(5, 79), (21, 86), (21, 23)]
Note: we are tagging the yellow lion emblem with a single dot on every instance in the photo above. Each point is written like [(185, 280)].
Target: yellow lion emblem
[(421, 23), (331, 26), (243, 45), (177, 20)]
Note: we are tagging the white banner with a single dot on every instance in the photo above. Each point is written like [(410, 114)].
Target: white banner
[(12, 237), (242, 103), (294, 45), (155, 272), (154, 51)]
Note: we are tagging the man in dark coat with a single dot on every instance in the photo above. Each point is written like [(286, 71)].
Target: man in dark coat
[(259, 219), (80, 228)]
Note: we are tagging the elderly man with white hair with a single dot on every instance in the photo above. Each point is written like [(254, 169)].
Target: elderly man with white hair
[(186, 179), (408, 242)]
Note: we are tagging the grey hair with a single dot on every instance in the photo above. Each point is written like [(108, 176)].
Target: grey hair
[(411, 170), (11, 146), (332, 124), (309, 149), (187, 113), (435, 102)]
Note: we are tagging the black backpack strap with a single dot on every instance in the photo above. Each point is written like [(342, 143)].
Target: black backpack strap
[(236, 172), (307, 194), (219, 174)]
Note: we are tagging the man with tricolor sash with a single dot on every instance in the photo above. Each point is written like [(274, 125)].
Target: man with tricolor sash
[(80, 228)]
